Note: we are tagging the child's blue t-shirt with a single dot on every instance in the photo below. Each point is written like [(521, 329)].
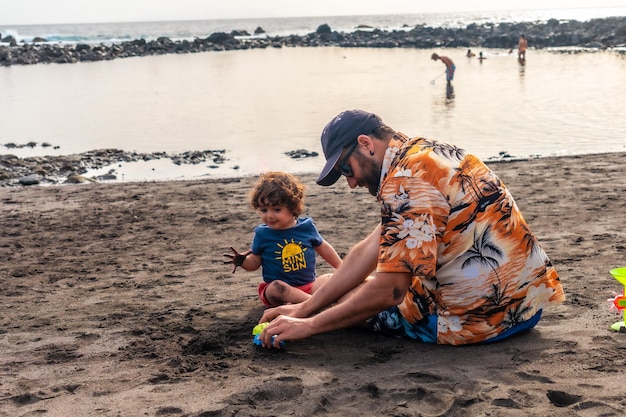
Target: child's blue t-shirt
[(289, 254)]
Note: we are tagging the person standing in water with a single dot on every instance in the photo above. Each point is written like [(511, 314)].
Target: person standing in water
[(522, 45), (450, 67)]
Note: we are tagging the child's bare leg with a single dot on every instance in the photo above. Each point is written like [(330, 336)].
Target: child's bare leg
[(319, 281), (278, 293)]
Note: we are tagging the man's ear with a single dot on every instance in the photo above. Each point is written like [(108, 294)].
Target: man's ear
[(366, 142)]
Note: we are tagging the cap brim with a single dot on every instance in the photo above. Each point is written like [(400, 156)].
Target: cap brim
[(329, 174)]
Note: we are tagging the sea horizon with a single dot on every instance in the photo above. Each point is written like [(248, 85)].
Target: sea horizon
[(113, 32)]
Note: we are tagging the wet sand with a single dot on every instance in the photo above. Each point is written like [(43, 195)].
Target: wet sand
[(115, 302)]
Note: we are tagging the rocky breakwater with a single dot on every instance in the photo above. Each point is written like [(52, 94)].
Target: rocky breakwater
[(596, 33), (63, 169), (71, 168)]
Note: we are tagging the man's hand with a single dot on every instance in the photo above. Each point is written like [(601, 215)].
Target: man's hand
[(236, 258), (290, 310), (284, 329)]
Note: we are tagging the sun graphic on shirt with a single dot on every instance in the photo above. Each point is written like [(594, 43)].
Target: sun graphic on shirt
[(289, 249), (291, 255)]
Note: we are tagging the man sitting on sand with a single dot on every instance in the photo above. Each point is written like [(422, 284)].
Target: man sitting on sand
[(453, 260)]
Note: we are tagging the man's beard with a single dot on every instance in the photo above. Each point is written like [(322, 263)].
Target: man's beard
[(370, 172)]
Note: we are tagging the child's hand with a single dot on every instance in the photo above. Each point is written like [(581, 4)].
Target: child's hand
[(237, 259)]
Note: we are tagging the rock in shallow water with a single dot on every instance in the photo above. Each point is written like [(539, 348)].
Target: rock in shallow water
[(33, 179)]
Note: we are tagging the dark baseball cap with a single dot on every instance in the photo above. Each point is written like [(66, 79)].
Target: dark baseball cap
[(340, 133)]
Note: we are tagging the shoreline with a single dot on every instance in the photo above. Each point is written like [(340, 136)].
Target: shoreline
[(595, 34), (73, 169), (116, 301)]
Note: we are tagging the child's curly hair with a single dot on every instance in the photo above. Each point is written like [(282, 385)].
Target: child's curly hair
[(278, 189)]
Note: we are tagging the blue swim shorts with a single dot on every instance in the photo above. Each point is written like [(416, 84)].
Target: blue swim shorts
[(391, 323)]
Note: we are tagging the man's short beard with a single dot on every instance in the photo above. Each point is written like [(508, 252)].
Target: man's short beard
[(371, 173)]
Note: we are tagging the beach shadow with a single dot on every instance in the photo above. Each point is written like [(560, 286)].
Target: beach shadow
[(355, 369)]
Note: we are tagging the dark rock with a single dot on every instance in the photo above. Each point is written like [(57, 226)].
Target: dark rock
[(323, 29), (5, 55), (220, 37), (106, 177), (239, 33), (259, 31), (32, 179), (301, 153), (8, 39), (74, 178)]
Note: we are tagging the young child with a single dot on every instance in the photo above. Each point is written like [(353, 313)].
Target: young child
[(285, 244)]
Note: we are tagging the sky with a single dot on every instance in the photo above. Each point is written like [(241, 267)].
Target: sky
[(20, 12)]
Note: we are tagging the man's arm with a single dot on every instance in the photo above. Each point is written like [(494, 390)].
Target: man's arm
[(381, 292)]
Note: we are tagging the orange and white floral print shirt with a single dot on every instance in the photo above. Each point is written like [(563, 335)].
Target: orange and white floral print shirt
[(449, 221)]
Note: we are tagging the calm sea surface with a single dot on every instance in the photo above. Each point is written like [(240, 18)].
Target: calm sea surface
[(178, 30), (259, 104)]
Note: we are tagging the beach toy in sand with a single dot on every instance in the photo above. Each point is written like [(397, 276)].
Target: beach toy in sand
[(619, 300), (256, 332)]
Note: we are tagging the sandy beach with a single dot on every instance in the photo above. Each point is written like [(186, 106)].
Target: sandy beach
[(115, 302)]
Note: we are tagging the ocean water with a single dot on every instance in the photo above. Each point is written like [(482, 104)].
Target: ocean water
[(178, 30), (259, 104)]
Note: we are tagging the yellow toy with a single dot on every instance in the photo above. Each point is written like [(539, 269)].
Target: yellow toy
[(256, 332)]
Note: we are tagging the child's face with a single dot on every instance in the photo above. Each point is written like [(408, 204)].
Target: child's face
[(276, 217)]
